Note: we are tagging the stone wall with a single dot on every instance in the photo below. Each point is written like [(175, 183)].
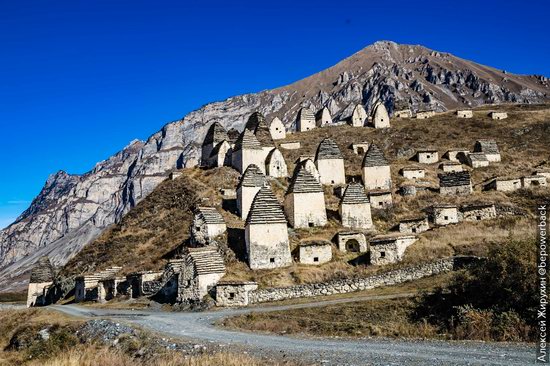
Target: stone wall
[(358, 284)]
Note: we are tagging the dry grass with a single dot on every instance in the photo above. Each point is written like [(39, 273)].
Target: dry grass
[(388, 317), (103, 356)]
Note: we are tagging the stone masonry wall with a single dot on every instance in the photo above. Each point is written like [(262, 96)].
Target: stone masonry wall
[(358, 284)]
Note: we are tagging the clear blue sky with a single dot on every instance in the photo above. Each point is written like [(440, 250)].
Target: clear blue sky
[(80, 79)]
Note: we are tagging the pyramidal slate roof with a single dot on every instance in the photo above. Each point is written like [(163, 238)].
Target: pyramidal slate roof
[(216, 134), (252, 177), (210, 215), (261, 129), (247, 140), (233, 135), (328, 149), (265, 209), (303, 182), (43, 271), (253, 121), (207, 260), (374, 157), (305, 114), (455, 179), (486, 146), (354, 195)]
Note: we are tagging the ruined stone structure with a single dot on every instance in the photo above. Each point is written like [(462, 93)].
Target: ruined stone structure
[(215, 148), (413, 172), (42, 278), (464, 113), (477, 212), (248, 151), (144, 283), (451, 167), (207, 224), (424, 114), (330, 163), (443, 215), (533, 181), (110, 287), (314, 252), (453, 154), (476, 160), (489, 148), (266, 234), (305, 120), (351, 241), (427, 156), (380, 116), (323, 118), (354, 208), (380, 199), (504, 184), (277, 129), (387, 249), (543, 172), (275, 165), (498, 115), (234, 293), (402, 113), (414, 226), (458, 183), (407, 190), (201, 270), (360, 148), (86, 286), (305, 201), (358, 116), (249, 185), (376, 169)]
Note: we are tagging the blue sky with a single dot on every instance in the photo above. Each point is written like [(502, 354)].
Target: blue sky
[(80, 79)]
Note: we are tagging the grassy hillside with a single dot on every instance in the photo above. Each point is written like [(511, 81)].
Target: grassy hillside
[(155, 229)]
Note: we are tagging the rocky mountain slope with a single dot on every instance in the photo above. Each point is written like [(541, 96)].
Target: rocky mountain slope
[(71, 210)]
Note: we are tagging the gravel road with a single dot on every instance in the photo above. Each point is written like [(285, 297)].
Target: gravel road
[(199, 326)]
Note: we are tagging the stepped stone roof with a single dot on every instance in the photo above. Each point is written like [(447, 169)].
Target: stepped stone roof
[(328, 149), (258, 125), (455, 179), (265, 209), (486, 146), (210, 215), (412, 168), (315, 243), (374, 157), (477, 156), (233, 135), (449, 163), (216, 134), (426, 150), (305, 114), (303, 182), (252, 177), (354, 194), (247, 140), (207, 260), (43, 271)]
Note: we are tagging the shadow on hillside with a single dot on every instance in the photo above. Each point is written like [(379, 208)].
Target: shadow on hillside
[(236, 242)]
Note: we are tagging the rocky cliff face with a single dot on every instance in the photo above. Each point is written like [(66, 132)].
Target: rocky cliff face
[(71, 210)]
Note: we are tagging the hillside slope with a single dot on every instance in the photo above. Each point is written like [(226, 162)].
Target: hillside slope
[(72, 210), (159, 226)]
